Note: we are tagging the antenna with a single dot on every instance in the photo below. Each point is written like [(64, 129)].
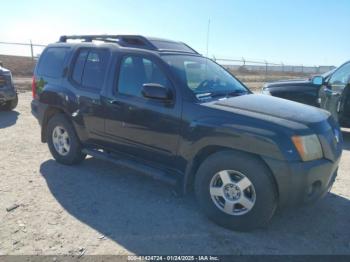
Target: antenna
[(208, 32)]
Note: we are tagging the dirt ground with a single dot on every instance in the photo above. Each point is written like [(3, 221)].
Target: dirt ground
[(99, 208)]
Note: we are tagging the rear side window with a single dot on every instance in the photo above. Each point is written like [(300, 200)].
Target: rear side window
[(79, 66), (51, 62), (90, 68)]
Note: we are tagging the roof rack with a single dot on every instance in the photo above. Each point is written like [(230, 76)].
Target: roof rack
[(123, 40), (135, 41)]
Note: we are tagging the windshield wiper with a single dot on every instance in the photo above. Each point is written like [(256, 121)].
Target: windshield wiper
[(236, 93), (220, 94)]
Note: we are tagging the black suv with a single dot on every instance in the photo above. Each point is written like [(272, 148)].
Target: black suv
[(159, 107), (8, 92)]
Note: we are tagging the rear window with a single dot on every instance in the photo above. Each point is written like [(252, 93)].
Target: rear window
[(51, 61)]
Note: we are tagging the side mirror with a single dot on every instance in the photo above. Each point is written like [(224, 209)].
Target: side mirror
[(156, 91), (317, 80)]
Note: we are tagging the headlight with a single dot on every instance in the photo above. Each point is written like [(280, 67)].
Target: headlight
[(309, 147)]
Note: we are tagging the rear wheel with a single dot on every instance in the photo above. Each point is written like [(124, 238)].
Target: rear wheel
[(10, 105), (236, 191), (63, 143)]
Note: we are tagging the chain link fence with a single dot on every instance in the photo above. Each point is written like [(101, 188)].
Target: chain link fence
[(30, 49), (247, 66), (241, 65)]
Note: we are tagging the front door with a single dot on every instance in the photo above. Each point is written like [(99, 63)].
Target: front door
[(334, 97), (140, 126)]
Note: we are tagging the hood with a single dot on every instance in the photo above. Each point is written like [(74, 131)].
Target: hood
[(268, 106), (291, 82)]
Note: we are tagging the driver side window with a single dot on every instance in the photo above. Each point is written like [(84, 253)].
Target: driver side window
[(341, 77), (135, 71)]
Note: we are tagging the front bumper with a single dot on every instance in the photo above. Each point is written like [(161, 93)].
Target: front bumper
[(303, 182), (7, 94)]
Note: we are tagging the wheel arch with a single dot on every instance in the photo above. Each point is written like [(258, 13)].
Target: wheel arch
[(49, 113), (210, 150)]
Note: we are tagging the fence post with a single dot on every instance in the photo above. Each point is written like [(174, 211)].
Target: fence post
[(243, 60), (282, 67), (266, 64), (31, 50)]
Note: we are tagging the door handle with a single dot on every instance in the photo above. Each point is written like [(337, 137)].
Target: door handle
[(95, 101), (113, 102)]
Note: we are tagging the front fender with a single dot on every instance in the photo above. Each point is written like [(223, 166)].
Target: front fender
[(265, 139), (209, 135)]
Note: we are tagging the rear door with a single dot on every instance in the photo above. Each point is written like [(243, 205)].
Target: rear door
[(87, 78), (335, 95)]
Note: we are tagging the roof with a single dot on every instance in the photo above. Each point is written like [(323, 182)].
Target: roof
[(134, 41)]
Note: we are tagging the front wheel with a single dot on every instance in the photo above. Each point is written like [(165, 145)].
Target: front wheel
[(236, 191), (63, 143)]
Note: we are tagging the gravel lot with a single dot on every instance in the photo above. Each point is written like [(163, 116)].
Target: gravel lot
[(99, 208)]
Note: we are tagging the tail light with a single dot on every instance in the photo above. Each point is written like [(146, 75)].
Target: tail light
[(33, 87)]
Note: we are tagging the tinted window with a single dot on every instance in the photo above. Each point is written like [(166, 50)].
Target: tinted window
[(95, 69), (168, 45), (203, 76), (90, 68), (341, 77), (136, 71), (79, 66), (51, 62)]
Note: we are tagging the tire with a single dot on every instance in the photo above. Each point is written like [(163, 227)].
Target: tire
[(71, 152), (10, 105), (262, 193)]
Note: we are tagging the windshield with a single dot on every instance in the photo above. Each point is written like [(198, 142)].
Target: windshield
[(203, 76)]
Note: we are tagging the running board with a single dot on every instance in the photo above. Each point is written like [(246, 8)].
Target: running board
[(134, 165)]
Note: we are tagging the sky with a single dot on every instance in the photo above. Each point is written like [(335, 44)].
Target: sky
[(308, 32)]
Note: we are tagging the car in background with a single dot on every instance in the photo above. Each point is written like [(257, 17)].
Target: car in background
[(299, 90), (334, 94), (8, 92)]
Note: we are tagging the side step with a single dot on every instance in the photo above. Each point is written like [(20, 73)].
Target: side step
[(131, 163)]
